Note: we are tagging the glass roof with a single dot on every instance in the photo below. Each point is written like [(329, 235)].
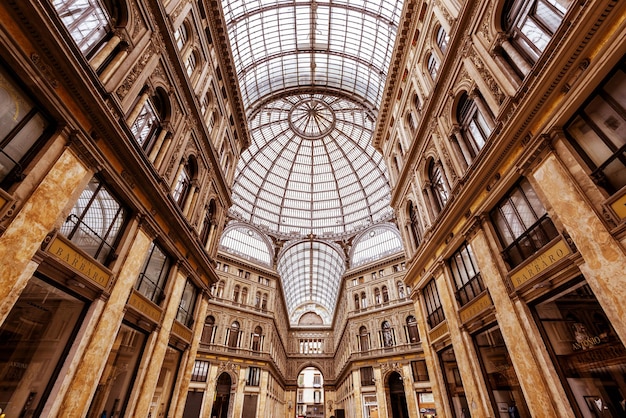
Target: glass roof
[(280, 45), (311, 74), (376, 243), (311, 169), (311, 272), (246, 242)]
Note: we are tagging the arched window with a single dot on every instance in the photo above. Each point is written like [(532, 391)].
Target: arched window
[(87, 21), (413, 335), (433, 66), (236, 291), (400, 287), (442, 39), (220, 289), (530, 24), (191, 62), (385, 294), (363, 300), (474, 125), (438, 185), (377, 298), (264, 302), (411, 121), (387, 335), (364, 338), (183, 182), (257, 337), (208, 332), (244, 295), (233, 335), (416, 226), (356, 301), (181, 36), (209, 220), (146, 127), (257, 300)]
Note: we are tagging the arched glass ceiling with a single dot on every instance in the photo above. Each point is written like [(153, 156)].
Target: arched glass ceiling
[(246, 242), (311, 169), (311, 272), (280, 45), (375, 243)]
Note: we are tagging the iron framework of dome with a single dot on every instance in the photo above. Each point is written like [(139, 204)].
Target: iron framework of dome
[(311, 75)]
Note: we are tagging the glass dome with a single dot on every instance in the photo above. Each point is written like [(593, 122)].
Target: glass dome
[(311, 169)]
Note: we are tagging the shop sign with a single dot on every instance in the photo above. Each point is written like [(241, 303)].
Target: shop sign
[(537, 265), (140, 304), (438, 332), (75, 260), (619, 206), (182, 331), (475, 307)]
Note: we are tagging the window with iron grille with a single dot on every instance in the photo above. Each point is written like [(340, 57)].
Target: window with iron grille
[(420, 372), (96, 221), (522, 224), (467, 279), (254, 376), (433, 304), (200, 371), (367, 376), (151, 280)]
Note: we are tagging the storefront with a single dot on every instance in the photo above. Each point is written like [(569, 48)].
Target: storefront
[(588, 356)]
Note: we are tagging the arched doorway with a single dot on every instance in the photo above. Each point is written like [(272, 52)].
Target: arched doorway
[(396, 396), (310, 397), (222, 396)]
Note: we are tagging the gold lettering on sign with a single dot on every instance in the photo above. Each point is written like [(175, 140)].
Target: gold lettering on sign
[(70, 256), (182, 331), (438, 332), (475, 307), (619, 206), (141, 304), (548, 257), (3, 202)]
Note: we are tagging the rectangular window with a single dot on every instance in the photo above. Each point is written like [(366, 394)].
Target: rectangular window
[(96, 221), (254, 376), (22, 129), (433, 304), (420, 372), (522, 224), (467, 278), (153, 275), (598, 130), (200, 371), (367, 376), (187, 304), (453, 382)]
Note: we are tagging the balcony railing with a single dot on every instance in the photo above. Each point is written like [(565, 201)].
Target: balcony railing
[(470, 290)]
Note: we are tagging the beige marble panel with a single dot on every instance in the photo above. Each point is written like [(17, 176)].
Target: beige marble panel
[(605, 259), (77, 399), (380, 392), (263, 404), (35, 219), (239, 394), (538, 394)]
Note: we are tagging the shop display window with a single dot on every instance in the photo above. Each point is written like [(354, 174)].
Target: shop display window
[(167, 378), (454, 384), (588, 355), (117, 379), (502, 382), (34, 340)]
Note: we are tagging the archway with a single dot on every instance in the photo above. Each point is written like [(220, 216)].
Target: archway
[(396, 396), (310, 397), (222, 396)]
